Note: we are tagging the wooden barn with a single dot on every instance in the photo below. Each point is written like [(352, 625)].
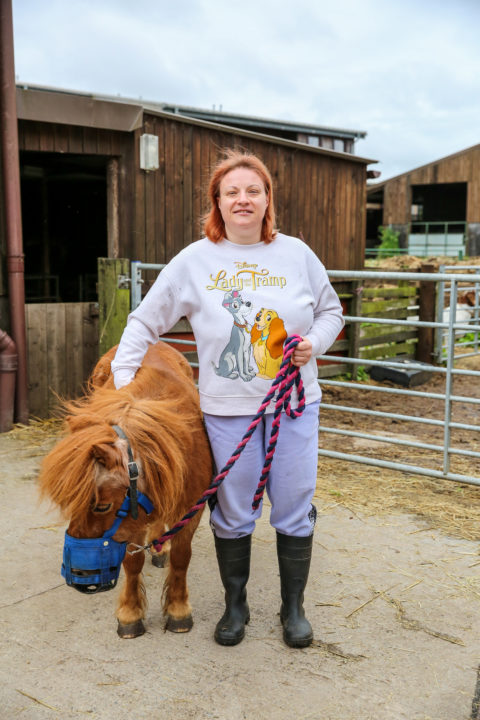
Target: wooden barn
[(435, 208), (85, 195)]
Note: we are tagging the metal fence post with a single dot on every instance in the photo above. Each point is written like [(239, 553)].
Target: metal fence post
[(476, 312), (440, 306), (354, 330), (136, 284), (449, 377)]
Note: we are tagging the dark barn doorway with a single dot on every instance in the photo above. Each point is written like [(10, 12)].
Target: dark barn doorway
[(441, 203), (64, 216)]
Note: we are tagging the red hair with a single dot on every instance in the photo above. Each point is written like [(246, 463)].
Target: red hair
[(213, 224)]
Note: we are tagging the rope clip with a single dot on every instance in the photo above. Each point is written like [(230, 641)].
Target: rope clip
[(139, 548)]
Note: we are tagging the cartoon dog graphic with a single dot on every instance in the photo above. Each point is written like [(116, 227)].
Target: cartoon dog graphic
[(235, 358), (268, 335)]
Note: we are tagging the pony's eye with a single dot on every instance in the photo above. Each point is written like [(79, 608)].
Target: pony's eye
[(102, 508)]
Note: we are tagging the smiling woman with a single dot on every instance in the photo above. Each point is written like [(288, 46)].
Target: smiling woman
[(246, 288), (241, 185), (242, 202)]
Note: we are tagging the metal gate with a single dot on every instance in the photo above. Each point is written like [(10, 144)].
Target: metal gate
[(444, 447), (469, 311), (447, 286)]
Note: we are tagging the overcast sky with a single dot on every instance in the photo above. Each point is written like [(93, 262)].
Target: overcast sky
[(405, 71)]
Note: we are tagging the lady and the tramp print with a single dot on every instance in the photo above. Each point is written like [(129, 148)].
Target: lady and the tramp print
[(264, 339), (246, 276)]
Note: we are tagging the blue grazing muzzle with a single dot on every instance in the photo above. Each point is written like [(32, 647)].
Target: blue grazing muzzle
[(92, 565)]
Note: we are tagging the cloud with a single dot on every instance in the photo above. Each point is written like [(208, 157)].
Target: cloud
[(408, 73)]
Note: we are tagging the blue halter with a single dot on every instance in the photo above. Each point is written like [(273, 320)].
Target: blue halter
[(92, 565)]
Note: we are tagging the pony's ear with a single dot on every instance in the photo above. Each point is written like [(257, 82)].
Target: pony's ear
[(105, 453), (78, 422)]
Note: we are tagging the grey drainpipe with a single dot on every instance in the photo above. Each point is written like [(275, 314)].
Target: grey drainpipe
[(13, 217), (8, 369)]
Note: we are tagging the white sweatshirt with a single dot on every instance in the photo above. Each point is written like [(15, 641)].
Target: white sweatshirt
[(242, 301)]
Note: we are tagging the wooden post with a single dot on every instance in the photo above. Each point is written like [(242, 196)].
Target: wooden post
[(113, 301), (113, 227), (426, 336)]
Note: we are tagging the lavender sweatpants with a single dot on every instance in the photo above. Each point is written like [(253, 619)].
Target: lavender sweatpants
[(292, 480)]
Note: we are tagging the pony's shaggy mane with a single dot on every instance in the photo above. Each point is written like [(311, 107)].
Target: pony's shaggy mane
[(159, 413)]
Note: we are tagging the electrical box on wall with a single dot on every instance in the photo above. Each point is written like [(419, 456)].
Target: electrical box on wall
[(149, 152)]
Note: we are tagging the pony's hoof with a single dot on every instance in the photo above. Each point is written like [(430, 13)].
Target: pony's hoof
[(132, 630), (179, 625), (160, 560)]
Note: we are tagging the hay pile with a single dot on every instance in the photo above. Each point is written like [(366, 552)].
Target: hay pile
[(37, 431), (411, 263), (448, 506)]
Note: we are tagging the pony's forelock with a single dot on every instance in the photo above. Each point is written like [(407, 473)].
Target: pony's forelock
[(159, 435)]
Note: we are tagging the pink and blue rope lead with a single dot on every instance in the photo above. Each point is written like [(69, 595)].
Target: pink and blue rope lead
[(287, 377)]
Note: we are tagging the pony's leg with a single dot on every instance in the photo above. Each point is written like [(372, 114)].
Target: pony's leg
[(132, 600), (176, 606), (159, 559)]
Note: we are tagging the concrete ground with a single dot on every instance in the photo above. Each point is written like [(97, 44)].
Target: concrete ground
[(395, 608)]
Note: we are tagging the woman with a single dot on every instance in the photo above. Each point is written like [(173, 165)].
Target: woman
[(244, 287)]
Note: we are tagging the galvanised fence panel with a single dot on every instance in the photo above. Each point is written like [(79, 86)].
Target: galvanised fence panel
[(450, 328)]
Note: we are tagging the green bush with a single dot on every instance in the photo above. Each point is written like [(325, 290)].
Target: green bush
[(389, 242)]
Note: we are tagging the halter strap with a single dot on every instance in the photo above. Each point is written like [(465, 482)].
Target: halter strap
[(125, 508), (132, 474)]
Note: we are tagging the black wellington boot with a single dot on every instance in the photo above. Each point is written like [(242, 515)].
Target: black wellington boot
[(234, 564), (294, 555)]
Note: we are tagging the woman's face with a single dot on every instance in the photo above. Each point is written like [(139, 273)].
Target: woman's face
[(242, 203)]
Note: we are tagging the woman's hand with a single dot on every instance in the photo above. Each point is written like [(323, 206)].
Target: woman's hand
[(302, 353)]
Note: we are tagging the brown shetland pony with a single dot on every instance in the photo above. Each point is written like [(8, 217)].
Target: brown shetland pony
[(86, 473)]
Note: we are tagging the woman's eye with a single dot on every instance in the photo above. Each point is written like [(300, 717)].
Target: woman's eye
[(102, 508)]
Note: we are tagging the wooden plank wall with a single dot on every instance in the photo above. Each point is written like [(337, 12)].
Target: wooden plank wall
[(462, 167), (323, 197), (62, 348)]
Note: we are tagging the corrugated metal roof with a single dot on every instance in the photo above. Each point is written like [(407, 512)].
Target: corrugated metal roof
[(217, 116), (48, 104), (250, 120)]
